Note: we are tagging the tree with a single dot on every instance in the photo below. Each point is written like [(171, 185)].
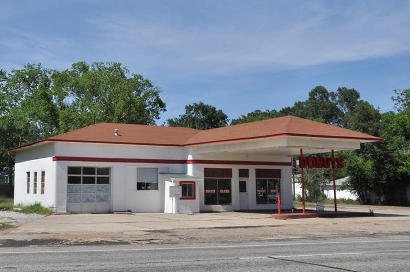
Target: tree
[(105, 92), (256, 115), (200, 116), (36, 102)]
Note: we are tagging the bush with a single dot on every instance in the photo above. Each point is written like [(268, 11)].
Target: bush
[(34, 208)]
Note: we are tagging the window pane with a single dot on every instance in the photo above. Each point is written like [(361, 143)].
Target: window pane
[(103, 171), (43, 181), (244, 173), (151, 186), (210, 192), (35, 183), (74, 170), (88, 180), (74, 180), (184, 190), (28, 182), (261, 191), (273, 190), (140, 185), (190, 190), (224, 191), (88, 171), (187, 190), (103, 180), (147, 175), (242, 186)]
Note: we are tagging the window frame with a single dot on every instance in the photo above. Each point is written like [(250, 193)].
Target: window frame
[(42, 182), (266, 187), (193, 183), (145, 183), (241, 180), (28, 181), (35, 183), (96, 175)]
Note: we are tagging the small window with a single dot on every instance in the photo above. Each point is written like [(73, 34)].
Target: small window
[(147, 178), (28, 182), (242, 186), (74, 170), (35, 183), (188, 190), (43, 181), (244, 173)]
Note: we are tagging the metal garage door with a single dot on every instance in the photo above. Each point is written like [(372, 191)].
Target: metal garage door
[(88, 190)]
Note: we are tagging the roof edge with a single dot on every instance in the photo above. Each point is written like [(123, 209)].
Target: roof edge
[(371, 139)]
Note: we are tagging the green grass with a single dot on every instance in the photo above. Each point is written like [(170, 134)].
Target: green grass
[(298, 203), (5, 226), (341, 200), (6, 204), (34, 208)]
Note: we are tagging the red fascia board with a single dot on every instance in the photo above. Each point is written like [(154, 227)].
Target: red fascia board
[(26, 145), (168, 161)]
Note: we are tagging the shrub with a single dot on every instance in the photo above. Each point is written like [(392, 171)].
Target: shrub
[(34, 208)]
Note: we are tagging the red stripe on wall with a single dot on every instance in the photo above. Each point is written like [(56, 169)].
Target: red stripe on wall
[(165, 161)]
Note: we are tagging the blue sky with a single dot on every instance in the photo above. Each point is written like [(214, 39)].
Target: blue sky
[(236, 55)]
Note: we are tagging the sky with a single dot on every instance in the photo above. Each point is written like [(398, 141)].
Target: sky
[(236, 55)]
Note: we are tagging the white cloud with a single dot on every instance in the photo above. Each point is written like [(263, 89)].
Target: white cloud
[(321, 34)]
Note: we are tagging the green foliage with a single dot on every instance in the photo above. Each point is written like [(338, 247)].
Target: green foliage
[(200, 116), (6, 204), (34, 208), (256, 115), (36, 102)]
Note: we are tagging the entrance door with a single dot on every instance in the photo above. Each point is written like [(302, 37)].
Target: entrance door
[(243, 195)]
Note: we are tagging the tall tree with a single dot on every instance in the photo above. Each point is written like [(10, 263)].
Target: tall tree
[(36, 102), (200, 116)]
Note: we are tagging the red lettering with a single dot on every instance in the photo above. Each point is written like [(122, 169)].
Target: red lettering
[(311, 163), (327, 163), (319, 162), (340, 163), (303, 162), (333, 162)]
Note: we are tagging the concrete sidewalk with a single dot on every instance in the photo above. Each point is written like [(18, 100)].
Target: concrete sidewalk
[(226, 226)]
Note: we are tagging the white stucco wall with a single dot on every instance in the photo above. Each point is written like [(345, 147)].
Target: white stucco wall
[(125, 195), (35, 160)]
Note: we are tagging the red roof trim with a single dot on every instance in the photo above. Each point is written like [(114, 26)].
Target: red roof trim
[(168, 161), (27, 145)]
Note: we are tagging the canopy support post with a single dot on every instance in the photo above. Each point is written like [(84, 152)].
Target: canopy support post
[(334, 179), (303, 182)]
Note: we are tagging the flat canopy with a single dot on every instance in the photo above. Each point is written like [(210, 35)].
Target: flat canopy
[(177, 136)]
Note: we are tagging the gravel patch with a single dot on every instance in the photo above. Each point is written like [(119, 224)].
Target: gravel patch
[(17, 219)]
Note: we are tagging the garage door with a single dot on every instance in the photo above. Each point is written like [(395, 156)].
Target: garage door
[(88, 190)]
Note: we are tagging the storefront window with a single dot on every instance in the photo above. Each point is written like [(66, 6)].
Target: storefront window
[(267, 191), (217, 186), (267, 186)]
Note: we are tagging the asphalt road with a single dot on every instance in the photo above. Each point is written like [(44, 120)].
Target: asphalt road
[(389, 253)]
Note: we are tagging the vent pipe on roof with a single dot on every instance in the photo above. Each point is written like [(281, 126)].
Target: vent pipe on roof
[(116, 132)]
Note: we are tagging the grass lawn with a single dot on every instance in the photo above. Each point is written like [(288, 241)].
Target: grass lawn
[(6, 204), (312, 205)]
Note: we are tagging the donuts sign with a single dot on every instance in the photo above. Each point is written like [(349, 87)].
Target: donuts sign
[(321, 162)]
